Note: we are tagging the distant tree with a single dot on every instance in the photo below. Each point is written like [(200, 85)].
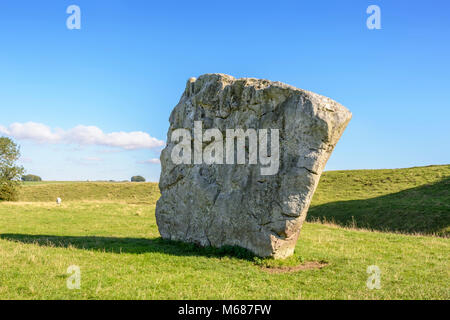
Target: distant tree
[(10, 172), (137, 179), (31, 177)]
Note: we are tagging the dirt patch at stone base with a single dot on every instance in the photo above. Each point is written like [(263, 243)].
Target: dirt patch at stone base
[(310, 265)]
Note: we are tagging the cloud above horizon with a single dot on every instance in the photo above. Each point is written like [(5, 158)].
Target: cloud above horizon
[(150, 161), (81, 135)]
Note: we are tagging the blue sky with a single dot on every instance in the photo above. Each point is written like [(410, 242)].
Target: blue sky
[(127, 66)]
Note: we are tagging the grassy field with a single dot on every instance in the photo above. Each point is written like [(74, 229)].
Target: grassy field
[(412, 200), (87, 191), (109, 231)]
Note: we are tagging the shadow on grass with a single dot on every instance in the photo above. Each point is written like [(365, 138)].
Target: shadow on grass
[(129, 245), (424, 209)]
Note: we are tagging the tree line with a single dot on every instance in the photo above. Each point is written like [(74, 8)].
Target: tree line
[(10, 172)]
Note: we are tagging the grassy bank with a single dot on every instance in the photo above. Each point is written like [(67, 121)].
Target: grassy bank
[(412, 200)]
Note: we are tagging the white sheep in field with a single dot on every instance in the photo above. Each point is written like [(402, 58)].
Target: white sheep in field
[(58, 201)]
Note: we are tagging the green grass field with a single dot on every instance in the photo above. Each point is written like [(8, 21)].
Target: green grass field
[(109, 231), (90, 191), (413, 200)]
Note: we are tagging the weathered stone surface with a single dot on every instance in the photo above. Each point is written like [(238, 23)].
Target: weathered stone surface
[(225, 204)]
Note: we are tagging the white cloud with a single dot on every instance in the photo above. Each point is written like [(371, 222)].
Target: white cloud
[(26, 160), (81, 135), (33, 131), (150, 161), (93, 159), (3, 130), (109, 150)]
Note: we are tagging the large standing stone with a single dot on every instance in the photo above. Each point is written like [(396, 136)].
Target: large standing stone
[(225, 204)]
